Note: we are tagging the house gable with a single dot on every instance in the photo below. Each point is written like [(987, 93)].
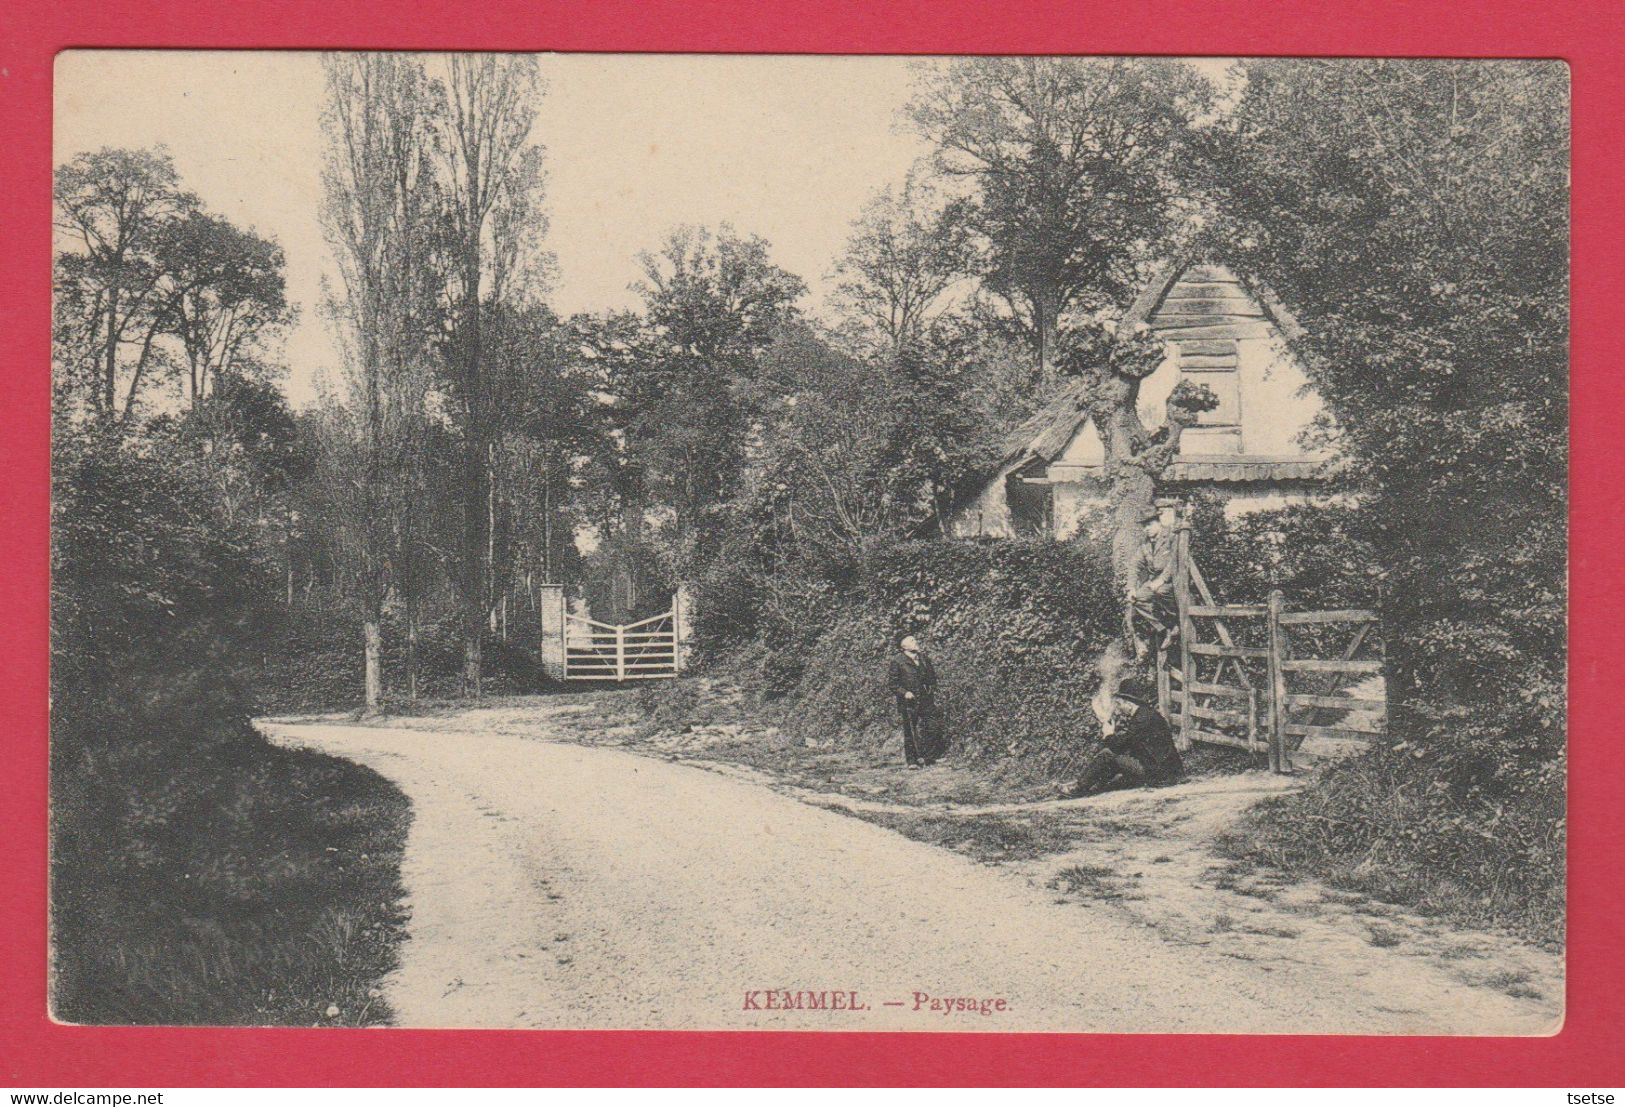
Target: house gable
[(1219, 333)]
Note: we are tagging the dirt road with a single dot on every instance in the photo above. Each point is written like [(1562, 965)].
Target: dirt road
[(556, 885)]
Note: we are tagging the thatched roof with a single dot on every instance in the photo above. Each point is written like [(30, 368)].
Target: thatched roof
[(1045, 434)]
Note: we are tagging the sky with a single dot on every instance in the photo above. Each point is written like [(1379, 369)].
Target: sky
[(785, 147)]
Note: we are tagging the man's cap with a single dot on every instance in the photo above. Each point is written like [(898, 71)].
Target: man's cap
[(1148, 514), (1138, 691)]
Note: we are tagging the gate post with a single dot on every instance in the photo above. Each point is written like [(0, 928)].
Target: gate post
[(1279, 762), (682, 611), (551, 603), (1182, 597)]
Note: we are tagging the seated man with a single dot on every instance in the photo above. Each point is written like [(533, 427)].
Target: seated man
[(1139, 745)]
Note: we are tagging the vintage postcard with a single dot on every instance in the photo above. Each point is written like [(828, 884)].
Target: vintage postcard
[(698, 542)]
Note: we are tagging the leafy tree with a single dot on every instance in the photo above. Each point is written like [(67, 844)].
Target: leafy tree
[(542, 382), (116, 209), (378, 212), (938, 435), (906, 250), (1070, 166), (491, 170), (222, 294), (819, 474), (691, 399), (1413, 214), (1072, 169)]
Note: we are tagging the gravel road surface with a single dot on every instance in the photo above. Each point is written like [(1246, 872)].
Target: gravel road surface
[(562, 886)]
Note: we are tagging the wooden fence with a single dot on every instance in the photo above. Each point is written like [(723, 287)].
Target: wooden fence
[(1261, 678)]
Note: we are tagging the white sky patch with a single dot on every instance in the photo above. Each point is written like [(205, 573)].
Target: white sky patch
[(785, 147)]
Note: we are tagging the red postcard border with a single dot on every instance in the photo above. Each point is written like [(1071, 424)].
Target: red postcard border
[(1590, 1050)]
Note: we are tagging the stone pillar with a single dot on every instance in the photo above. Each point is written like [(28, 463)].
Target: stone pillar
[(682, 621), (552, 613)]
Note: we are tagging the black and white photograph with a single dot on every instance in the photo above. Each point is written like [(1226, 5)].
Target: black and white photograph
[(607, 541)]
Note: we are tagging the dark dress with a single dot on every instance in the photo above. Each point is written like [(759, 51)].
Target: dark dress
[(923, 738)]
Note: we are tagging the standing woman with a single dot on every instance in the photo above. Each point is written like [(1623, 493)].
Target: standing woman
[(913, 681)]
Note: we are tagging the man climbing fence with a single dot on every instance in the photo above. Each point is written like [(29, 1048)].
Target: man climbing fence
[(1153, 608)]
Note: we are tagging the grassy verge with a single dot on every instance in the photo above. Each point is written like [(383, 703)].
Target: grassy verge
[(1372, 825), (248, 885), (722, 716)]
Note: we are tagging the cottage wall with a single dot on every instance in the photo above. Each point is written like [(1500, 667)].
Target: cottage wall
[(987, 515), (1248, 449)]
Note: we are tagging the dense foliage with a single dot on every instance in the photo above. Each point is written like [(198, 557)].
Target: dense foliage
[(1014, 628), (1414, 216), (197, 874)]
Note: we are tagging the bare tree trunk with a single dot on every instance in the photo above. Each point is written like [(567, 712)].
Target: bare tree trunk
[(1046, 329), (372, 639), (411, 647), (491, 536), (476, 474), (110, 362)]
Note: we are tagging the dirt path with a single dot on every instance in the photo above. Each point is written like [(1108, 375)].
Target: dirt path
[(557, 885)]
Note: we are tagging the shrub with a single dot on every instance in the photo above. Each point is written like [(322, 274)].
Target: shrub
[(1385, 823), (314, 661), (197, 874), (1319, 554), (1014, 628), (1463, 809)]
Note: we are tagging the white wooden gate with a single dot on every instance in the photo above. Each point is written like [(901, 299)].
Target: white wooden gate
[(644, 650)]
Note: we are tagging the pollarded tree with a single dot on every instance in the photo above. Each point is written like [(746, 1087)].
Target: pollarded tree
[(1109, 369), (1070, 167)]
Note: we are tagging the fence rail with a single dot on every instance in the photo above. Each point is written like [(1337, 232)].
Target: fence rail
[(1286, 693), (644, 650)]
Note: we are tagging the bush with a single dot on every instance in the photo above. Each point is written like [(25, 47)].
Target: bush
[(1463, 808), (1385, 823), (1319, 554), (1015, 630), (315, 664), (197, 874)]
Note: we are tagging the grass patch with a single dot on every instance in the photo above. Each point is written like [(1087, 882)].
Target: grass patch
[(1376, 825), (987, 838), (243, 885), (1273, 931), (1382, 937), (1095, 881), (1514, 983)]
